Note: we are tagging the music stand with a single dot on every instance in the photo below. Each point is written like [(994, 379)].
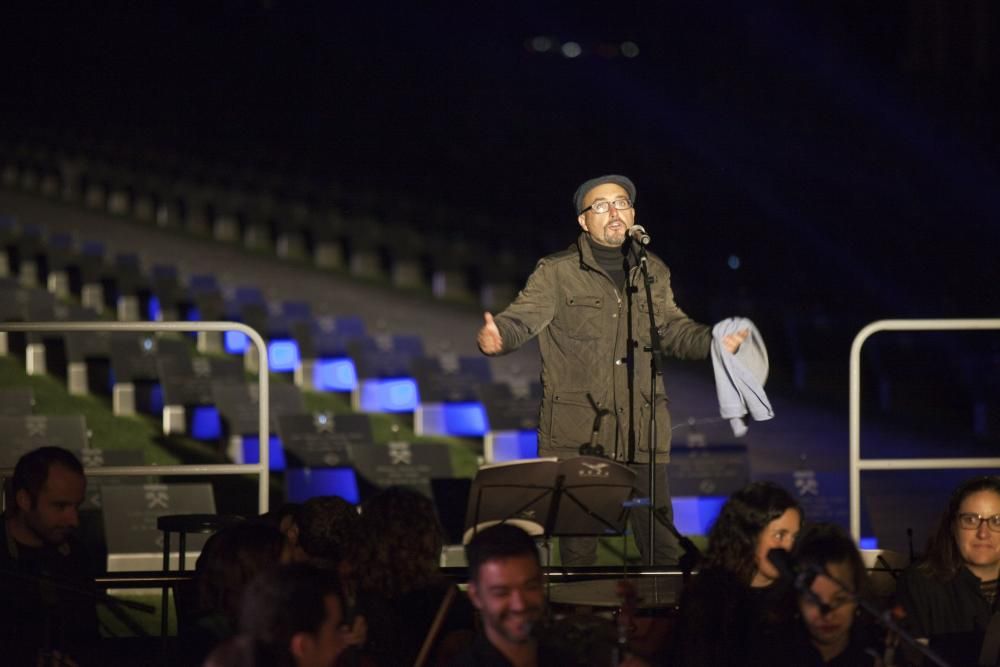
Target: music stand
[(580, 496)]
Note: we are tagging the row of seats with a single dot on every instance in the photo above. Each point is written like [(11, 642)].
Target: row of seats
[(405, 243), (383, 373)]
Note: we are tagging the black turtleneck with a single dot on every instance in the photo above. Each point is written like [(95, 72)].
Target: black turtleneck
[(612, 260)]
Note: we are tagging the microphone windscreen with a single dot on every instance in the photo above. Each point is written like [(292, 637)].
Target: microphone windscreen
[(782, 562)]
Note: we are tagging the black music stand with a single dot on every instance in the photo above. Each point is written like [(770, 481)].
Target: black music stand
[(580, 496)]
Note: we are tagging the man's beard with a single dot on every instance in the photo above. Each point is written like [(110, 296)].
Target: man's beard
[(613, 237), (530, 617)]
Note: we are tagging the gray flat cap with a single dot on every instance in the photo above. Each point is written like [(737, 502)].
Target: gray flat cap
[(587, 186)]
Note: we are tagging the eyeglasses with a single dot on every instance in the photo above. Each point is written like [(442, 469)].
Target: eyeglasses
[(969, 521), (602, 206)]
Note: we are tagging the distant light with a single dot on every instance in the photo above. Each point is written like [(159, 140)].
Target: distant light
[(733, 262), (571, 49), (147, 344), (630, 49), (514, 445), (206, 423), (389, 395), (465, 419), (276, 454), (282, 355), (694, 515), (305, 483), (235, 342), (337, 374), (156, 398), (541, 43), (153, 308)]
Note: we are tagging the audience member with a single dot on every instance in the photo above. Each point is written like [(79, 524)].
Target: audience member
[(401, 583), (285, 519), (951, 595), (328, 536), (505, 585), (734, 603), (229, 561), (291, 617), (46, 578), (829, 628), (327, 531)]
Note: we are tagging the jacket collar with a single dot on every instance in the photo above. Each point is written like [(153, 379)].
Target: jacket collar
[(586, 254)]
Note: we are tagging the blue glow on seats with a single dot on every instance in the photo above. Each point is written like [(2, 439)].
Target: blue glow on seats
[(205, 423), (392, 395), (868, 543), (235, 342), (282, 355), (306, 483), (465, 419), (193, 314), (514, 445), (337, 374), (251, 452), (153, 308), (694, 515), (156, 399)]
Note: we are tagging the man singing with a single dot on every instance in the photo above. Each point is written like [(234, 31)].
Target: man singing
[(588, 306)]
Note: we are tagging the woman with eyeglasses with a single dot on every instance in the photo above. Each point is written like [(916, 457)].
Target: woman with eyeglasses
[(950, 596), (734, 604)]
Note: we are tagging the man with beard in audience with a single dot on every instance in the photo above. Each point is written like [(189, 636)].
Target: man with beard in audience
[(46, 579), (505, 585)]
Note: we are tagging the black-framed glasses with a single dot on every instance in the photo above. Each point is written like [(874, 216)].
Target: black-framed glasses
[(970, 521), (603, 206)]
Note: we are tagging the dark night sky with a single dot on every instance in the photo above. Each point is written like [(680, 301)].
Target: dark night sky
[(845, 152)]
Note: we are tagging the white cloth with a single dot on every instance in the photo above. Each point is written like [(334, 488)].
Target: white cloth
[(740, 377)]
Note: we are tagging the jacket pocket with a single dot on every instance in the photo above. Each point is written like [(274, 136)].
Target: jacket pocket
[(571, 420), (582, 314)]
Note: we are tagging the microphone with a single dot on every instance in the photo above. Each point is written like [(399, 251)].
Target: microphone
[(801, 577), (638, 234)]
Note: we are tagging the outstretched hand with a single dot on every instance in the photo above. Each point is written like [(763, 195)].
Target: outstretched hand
[(733, 341), (489, 339)]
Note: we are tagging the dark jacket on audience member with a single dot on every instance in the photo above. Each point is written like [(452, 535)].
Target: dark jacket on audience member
[(397, 627), (723, 621), (794, 648), (952, 614), (481, 654), (37, 614)]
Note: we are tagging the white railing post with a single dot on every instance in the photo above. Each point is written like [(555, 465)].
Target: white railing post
[(857, 464), (261, 469)]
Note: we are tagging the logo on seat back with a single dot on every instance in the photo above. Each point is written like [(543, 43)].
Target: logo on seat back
[(593, 470)]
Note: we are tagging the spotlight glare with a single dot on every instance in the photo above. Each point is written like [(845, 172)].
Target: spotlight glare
[(733, 262), (571, 49), (630, 49)]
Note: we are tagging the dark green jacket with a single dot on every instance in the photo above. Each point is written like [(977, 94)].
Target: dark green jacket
[(581, 319)]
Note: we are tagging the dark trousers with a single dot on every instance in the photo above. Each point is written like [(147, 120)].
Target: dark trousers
[(577, 551)]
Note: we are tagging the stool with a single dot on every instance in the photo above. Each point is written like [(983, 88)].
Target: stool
[(182, 524)]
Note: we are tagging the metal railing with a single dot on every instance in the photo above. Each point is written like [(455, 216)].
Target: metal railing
[(857, 464), (261, 469)]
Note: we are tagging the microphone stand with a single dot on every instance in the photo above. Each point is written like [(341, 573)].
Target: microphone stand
[(655, 350)]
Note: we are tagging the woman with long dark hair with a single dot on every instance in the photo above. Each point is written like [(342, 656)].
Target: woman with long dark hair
[(734, 602), (951, 595), (405, 592)]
